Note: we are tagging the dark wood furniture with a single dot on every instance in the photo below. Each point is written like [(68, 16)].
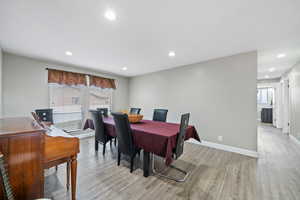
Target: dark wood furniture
[(22, 145), (28, 151)]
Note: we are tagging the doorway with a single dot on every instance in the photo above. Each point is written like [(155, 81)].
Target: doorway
[(286, 106)]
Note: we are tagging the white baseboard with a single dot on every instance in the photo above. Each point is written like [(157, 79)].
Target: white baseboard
[(294, 139), (223, 147)]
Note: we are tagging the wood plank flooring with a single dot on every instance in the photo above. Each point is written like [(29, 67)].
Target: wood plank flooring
[(215, 174)]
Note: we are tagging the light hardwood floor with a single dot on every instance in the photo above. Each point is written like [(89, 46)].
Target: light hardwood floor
[(215, 174)]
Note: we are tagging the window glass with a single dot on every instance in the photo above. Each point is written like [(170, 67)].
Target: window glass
[(100, 98), (265, 96)]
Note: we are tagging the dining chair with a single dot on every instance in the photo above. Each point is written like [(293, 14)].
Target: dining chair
[(125, 138), (45, 115), (135, 111), (160, 115), (178, 149), (104, 111), (100, 134)]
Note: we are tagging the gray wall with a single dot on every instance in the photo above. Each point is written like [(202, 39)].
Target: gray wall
[(294, 81), (25, 86), (220, 94), (0, 82)]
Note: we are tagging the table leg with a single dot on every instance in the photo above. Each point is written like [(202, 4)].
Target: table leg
[(73, 176), (68, 175), (146, 163)]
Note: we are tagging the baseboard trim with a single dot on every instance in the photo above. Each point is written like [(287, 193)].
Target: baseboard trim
[(294, 139), (223, 147)]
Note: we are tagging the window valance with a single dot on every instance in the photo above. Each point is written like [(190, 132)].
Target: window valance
[(66, 78), (73, 78), (102, 82)]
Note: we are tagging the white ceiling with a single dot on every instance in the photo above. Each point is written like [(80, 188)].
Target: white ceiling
[(267, 59), (145, 31)]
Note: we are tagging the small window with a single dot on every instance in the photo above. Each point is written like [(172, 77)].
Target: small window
[(265, 96)]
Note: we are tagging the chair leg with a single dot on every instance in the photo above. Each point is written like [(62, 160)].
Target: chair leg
[(186, 174), (131, 163), (119, 157), (96, 145), (104, 145)]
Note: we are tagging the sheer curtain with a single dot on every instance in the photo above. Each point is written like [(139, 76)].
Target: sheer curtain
[(72, 95)]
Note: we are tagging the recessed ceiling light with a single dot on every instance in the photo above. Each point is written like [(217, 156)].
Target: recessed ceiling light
[(272, 69), (267, 76), (69, 53), (110, 15), (124, 68), (171, 54), (281, 55)]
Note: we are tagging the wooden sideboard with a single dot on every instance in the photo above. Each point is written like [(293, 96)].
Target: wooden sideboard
[(22, 144)]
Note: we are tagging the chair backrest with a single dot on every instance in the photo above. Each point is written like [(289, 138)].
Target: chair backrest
[(104, 111), (37, 119), (135, 111), (181, 136), (5, 180), (160, 115), (100, 134), (45, 115), (124, 133)]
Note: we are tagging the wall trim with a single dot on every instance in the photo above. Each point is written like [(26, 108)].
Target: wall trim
[(228, 148), (294, 139)]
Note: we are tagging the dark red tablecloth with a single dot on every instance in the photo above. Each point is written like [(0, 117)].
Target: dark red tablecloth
[(152, 136)]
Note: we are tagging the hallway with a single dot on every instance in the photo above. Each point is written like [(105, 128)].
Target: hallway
[(278, 165)]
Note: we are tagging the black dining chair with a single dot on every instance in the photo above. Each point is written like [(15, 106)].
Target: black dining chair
[(135, 111), (45, 115), (104, 111), (160, 115), (178, 149), (100, 133), (125, 138)]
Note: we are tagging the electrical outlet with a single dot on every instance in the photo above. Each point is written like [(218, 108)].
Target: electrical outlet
[(220, 138)]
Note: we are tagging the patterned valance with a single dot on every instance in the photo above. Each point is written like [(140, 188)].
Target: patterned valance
[(102, 82), (66, 78), (72, 78)]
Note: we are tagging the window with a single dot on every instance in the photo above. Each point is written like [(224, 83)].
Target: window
[(66, 103), (71, 104), (100, 98), (265, 96), (64, 98), (72, 95)]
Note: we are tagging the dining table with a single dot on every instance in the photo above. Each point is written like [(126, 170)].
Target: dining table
[(154, 137)]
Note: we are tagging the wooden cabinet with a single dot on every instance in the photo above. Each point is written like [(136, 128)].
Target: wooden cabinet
[(22, 144)]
